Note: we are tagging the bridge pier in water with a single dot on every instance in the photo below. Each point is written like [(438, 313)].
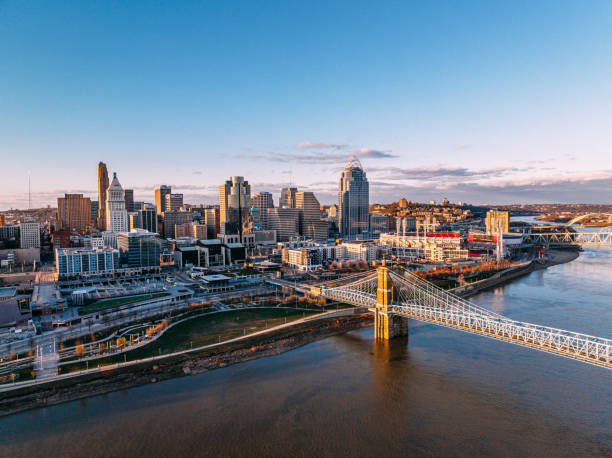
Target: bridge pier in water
[(387, 324)]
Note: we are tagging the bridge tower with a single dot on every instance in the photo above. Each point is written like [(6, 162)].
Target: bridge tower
[(387, 325)]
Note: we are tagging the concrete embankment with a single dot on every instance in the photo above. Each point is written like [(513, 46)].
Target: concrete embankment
[(188, 363), (553, 257)]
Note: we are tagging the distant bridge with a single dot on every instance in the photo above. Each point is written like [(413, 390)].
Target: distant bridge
[(577, 219), (569, 238), (394, 297)]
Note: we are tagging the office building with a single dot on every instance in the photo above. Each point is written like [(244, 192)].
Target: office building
[(9, 236), (147, 218), (29, 233), (286, 222), (102, 190), (139, 248), (212, 221), (287, 198), (353, 200), (312, 226), (160, 198), (128, 195), (497, 220), (85, 261), (73, 212), (94, 212), (174, 218), (260, 202), (174, 202), (234, 198), (116, 215)]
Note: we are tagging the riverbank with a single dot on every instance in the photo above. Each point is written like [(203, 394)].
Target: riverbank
[(179, 365), (553, 258)]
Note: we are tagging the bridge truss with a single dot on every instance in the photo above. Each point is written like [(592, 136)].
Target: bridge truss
[(418, 299), (570, 238)]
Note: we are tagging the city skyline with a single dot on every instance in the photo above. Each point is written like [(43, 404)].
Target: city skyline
[(509, 106)]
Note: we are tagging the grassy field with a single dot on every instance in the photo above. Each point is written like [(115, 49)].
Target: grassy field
[(116, 302), (204, 330)]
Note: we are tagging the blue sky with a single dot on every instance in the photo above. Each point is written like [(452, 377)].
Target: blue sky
[(486, 102)]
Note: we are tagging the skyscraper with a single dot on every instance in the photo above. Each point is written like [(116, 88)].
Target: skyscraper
[(102, 188), (353, 200), (312, 225), (260, 202), (287, 198), (234, 197), (116, 215), (160, 198), (128, 194), (174, 202), (73, 212)]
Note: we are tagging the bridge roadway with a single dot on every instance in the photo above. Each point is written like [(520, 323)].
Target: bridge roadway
[(415, 298)]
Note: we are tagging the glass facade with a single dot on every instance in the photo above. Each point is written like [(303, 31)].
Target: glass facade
[(353, 200), (140, 249)]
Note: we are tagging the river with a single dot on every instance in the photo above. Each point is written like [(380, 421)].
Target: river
[(438, 392)]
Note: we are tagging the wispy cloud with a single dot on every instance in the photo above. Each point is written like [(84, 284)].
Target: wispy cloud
[(320, 145), (320, 157)]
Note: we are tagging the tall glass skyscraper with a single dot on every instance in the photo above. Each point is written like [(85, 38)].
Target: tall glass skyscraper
[(234, 199), (353, 200)]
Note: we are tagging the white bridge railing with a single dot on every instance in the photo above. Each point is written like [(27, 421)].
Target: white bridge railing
[(418, 299)]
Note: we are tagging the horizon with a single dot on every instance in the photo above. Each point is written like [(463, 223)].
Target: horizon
[(498, 104)]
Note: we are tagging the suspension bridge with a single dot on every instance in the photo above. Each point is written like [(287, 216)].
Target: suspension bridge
[(395, 297)]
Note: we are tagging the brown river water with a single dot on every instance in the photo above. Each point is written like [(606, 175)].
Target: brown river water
[(439, 392)]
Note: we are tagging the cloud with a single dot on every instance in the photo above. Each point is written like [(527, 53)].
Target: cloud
[(319, 145), (319, 157), (197, 172), (428, 173)]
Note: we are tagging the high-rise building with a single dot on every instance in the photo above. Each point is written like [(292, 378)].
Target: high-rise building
[(2, 220), (29, 232), (234, 198), (147, 218), (102, 189), (139, 248), (353, 200), (116, 215), (94, 211), (260, 202), (174, 202), (160, 198), (212, 221), (285, 221), (287, 198), (73, 212), (172, 219), (128, 195), (497, 220), (312, 225)]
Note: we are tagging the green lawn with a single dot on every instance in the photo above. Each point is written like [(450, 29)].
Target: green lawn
[(207, 329), (118, 301)]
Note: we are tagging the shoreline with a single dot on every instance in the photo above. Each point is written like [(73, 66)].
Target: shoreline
[(163, 368), (554, 257)]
